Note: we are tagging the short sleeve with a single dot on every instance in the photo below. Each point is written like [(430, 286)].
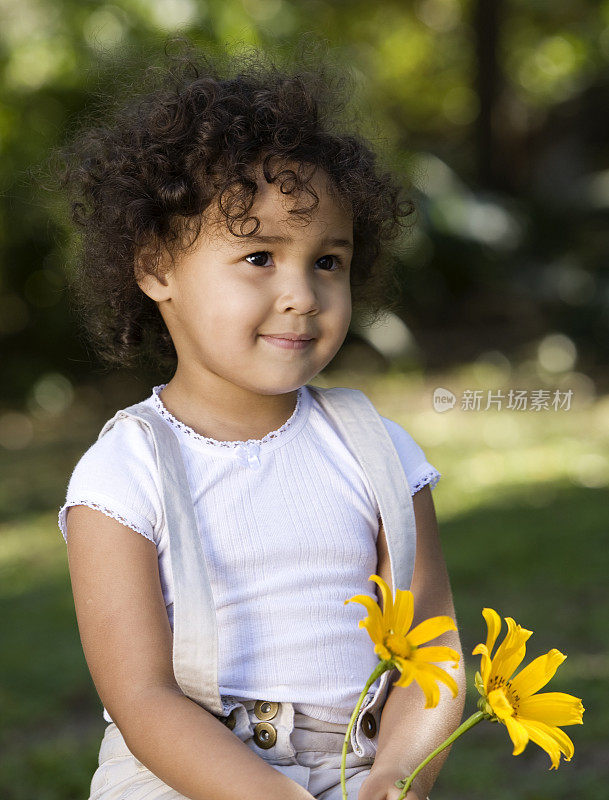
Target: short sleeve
[(117, 475), (419, 471)]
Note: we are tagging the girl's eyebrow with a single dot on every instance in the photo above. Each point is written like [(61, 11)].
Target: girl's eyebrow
[(273, 239)]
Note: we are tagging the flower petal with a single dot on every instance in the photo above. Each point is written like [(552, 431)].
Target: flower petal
[(518, 734), (365, 600), (553, 708), (387, 601), (510, 640), (500, 704), (439, 675), (436, 654), (485, 663), (493, 626), (560, 737), (536, 674), (429, 687), (403, 611), (551, 739), (382, 652), (374, 622), (511, 651), (407, 670), (505, 668), (430, 628)]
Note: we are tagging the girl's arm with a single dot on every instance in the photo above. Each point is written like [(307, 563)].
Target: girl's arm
[(127, 642), (408, 731)]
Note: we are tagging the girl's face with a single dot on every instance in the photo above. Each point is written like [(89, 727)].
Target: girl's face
[(229, 292)]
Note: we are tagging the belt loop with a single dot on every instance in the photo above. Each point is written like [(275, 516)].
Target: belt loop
[(235, 717), (368, 719)]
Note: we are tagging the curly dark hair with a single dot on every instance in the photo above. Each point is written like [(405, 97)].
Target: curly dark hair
[(188, 134)]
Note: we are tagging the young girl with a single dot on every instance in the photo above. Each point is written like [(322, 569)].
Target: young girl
[(215, 529)]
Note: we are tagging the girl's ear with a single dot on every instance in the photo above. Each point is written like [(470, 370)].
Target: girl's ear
[(156, 287)]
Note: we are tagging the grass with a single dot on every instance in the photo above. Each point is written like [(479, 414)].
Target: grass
[(522, 509), (50, 723)]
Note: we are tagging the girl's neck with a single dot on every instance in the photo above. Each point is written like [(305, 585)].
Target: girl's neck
[(227, 416)]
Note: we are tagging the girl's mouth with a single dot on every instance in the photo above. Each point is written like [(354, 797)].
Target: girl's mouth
[(287, 344)]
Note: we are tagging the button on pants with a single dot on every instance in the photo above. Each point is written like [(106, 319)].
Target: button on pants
[(305, 749)]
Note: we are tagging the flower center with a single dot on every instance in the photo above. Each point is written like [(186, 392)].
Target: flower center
[(503, 700), (399, 645)]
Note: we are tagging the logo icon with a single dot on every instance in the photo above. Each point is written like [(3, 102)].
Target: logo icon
[(443, 400)]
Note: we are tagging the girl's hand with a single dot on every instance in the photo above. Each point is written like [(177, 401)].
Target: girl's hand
[(380, 785)]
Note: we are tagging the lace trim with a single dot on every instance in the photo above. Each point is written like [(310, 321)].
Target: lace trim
[(432, 476), (166, 414), (61, 517)]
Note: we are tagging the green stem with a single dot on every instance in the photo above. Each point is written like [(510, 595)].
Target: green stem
[(465, 726), (381, 667)]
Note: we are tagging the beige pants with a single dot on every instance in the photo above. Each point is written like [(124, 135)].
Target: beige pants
[(307, 750)]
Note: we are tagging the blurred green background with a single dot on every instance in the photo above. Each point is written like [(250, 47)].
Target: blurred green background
[(497, 114)]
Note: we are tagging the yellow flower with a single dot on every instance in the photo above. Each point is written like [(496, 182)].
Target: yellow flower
[(394, 642), (514, 700)]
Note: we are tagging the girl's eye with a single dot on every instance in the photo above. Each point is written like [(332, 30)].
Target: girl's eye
[(339, 263), (263, 254)]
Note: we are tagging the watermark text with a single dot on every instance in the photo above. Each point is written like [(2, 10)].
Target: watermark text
[(510, 400)]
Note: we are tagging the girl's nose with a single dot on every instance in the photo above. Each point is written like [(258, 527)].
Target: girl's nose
[(298, 293)]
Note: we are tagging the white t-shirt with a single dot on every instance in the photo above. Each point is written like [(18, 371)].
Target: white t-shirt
[(288, 525)]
